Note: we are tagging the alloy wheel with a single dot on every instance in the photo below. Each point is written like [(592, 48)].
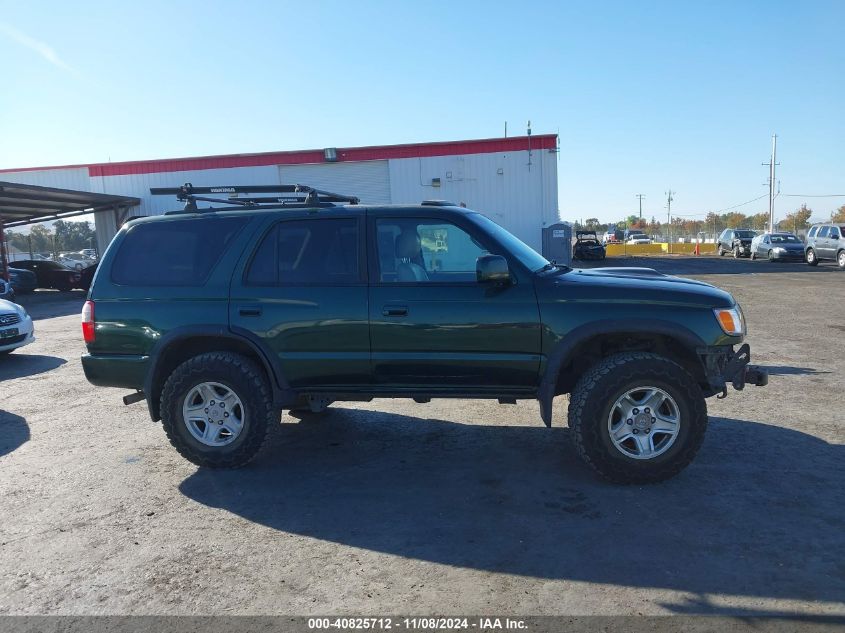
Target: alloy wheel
[(644, 422), (213, 414)]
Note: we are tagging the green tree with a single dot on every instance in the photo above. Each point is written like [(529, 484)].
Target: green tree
[(797, 220), (838, 215)]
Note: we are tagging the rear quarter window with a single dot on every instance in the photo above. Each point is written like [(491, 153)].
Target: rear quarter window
[(173, 253)]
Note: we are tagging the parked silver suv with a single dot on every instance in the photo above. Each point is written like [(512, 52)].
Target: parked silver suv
[(826, 241)]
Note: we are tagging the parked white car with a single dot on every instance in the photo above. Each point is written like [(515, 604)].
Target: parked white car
[(638, 238), (16, 328)]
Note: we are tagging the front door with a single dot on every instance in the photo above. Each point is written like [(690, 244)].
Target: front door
[(432, 325), (303, 292)]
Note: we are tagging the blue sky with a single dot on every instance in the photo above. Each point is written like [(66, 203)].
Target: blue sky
[(646, 96)]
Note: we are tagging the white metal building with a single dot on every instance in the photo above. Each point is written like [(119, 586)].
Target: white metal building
[(512, 180)]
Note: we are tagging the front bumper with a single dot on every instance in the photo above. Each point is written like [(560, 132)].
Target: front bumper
[(723, 366), (743, 249), (788, 256), (25, 336)]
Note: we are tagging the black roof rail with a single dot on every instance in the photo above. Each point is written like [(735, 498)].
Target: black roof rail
[(438, 203), (308, 196)]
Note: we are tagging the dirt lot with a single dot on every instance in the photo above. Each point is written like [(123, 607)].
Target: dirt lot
[(450, 507)]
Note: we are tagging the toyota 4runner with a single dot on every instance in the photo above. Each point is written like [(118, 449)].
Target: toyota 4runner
[(222, 317)]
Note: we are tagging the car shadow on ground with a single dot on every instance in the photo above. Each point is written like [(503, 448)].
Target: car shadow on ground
[(759, 513), (19, 364), (786, 370), (14, 432), (681, 265), (47, 304)]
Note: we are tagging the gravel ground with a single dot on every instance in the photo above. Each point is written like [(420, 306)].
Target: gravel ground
[(450, 507)]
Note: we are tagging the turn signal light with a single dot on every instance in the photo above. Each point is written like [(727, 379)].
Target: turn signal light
[(88, 322), (731, 321)]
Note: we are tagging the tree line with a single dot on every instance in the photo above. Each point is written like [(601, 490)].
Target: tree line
[(63, 236), (712, 224)]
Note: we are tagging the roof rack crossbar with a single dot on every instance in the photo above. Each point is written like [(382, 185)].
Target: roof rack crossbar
[(190, 195)]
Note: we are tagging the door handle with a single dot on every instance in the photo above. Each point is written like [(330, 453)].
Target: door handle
[(396, 311), (250, 311)]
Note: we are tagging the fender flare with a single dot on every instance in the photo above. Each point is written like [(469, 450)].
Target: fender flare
[(563, 351), (269, 360)]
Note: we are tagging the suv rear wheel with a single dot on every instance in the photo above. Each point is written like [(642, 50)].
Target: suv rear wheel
[(216, 409), (721, 250), (637, 418), (812, 260)]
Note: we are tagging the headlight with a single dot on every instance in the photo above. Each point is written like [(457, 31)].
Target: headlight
[(778, 249), (731, 320)]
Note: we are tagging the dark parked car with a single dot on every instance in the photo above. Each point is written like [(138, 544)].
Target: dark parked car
[(587, 246), (826, 241), (736, 241), (23, 281), (51, 274), (7, 291), (778, 247), (222, 317), (87, 276)]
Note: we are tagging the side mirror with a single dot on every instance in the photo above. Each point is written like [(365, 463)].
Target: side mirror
[(492, 269)]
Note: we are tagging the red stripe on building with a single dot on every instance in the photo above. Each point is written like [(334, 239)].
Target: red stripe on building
[(378, 152)]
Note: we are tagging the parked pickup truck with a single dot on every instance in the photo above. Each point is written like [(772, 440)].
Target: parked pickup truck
[(221, 317)]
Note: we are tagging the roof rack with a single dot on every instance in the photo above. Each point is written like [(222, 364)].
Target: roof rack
[(310, 197)]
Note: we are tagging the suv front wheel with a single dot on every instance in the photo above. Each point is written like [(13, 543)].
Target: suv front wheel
[(812, 260), (216, 409), (637, 418)]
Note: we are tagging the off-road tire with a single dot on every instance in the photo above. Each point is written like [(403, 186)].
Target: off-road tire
[(250, 384), (721, 251), (595, 394), (811, 257)]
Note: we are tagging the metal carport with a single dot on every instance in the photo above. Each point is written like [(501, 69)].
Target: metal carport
[(22, 204)]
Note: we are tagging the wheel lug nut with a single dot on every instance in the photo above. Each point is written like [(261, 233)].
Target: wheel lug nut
[(630, 421), (225, 414), (635, 431), (647, 410), (647, 431), (653, 420), (212, 403), (636, 411), (222, 405), (206, 409)]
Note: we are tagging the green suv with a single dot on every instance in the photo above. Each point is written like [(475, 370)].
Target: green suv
[(222, 317)]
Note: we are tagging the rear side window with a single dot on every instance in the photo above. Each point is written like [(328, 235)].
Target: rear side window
[(824, 232), (812, 232), (173, 253), (323, 251)]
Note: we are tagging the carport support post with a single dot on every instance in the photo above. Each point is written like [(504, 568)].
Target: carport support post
[(3, 254)]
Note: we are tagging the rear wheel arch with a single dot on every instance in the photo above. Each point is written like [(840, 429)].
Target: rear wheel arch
[(182, 344)]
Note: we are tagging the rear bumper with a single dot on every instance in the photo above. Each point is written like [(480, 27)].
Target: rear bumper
[(723, 366), (115, 370)]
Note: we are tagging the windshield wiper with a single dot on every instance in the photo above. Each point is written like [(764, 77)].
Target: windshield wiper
[(550, 266)]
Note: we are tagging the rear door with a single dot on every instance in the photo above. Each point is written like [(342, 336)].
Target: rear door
[(823, 249), (432, 325), (302, 291)]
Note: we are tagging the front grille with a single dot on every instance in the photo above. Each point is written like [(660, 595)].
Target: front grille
[(9, 319)]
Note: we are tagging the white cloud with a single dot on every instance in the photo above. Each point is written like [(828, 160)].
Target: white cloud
[(35, 45)]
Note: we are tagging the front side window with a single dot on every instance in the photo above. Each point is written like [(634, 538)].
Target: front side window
[(173, 252), (418, 251), (320, 251)]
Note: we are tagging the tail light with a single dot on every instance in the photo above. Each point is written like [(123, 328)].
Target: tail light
[(88, 322)]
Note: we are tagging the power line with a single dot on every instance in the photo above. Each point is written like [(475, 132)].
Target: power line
[(810, 195)]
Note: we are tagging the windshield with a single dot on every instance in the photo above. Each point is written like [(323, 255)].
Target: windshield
[(529, 258), (744, 235), (785, 239)]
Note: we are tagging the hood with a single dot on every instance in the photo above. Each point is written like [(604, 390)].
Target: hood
[(790, 246), (638, 285), (8, 306)]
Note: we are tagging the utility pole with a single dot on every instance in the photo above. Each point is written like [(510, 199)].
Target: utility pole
[(641, 196), (771, 165), (669, 199)]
